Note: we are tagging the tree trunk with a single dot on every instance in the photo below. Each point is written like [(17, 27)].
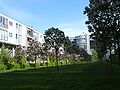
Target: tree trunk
[(57, 62), (111, 59), (56, 52), (118, 51), (35, 61)]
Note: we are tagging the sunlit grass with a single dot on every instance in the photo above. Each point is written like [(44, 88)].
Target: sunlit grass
[(82, 76)]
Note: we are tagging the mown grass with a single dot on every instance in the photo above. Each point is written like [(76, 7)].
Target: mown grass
[(82, 76)]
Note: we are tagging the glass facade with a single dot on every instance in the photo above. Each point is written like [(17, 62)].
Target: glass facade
[(81, 41)]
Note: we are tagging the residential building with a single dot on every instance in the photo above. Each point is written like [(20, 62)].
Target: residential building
[(13, 33)]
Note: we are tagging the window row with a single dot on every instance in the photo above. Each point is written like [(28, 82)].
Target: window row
[(4, 23), (18, 26), (4, 36)]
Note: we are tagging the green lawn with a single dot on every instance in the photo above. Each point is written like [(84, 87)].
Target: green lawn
[(87, 76)]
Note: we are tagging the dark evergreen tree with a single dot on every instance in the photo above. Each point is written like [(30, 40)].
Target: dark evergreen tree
[(104, 24)]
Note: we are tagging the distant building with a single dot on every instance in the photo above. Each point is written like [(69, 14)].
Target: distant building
[(92, 45), (72, 39), (84, 41)]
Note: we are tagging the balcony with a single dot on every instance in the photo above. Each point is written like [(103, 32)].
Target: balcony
[(30, 33)]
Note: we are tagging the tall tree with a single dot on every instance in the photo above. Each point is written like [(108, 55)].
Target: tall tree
[(54, 38), (104, 23)]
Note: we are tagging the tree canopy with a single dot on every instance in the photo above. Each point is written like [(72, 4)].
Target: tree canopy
[(54, 36), (104, 24)]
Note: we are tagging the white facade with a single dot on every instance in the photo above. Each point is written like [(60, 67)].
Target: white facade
[(32, 34), (41, 38), (14, 33)]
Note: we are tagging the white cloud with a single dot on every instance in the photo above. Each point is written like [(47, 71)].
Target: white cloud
[(74, 28)]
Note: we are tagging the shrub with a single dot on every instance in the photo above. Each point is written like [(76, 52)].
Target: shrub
[(41, 64), (15, 66), (94, 56), (114, 59), (21, 60), (4, 56), (3, 67), (26, 65), (11, 63)]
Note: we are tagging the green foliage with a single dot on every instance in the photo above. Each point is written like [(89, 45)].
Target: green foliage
[(54, 36), (3, 67), (94, 55), (26, 65), (4, 56), (15, 66), (20, 57), (22, 61), (11, 63), (114, 58), (103, 24)]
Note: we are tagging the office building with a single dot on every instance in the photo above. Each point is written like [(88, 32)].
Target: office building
[(84, 41)]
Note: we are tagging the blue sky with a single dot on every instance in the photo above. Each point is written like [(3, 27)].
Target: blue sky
[(67, 15)]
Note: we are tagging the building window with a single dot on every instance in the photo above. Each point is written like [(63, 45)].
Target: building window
[(20, 39), (16, 36), (10, 34), (40, 36), (3, 34), (6, 23), (10, 23), (16, 25), (20, 27), (3, 22), (0, 20), (6, 36)]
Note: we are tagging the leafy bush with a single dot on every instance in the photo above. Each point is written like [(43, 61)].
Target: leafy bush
[(21, 60), (41, 64), (3, 67), (15, 66), (114, 59), (94, 55), (26, 65), (4, 56), (11, 63)]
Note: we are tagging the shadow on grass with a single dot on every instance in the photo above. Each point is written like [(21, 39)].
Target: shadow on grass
[(87, 76)]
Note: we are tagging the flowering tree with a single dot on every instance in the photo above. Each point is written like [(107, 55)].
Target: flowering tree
[(34, 50)]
